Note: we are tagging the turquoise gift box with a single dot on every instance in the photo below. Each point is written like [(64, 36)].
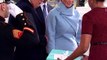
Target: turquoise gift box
[(62, 54)]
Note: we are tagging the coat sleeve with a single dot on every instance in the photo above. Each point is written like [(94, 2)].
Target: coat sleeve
[(50, 31), (27, 39)]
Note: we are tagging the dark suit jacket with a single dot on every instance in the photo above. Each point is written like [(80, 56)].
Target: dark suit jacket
[(41, 17), (6, 41), (40, 12)]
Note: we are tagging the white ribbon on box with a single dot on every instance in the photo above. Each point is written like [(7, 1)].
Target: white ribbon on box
[(61, 56)]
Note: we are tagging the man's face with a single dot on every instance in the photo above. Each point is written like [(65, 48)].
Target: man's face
[(68, 3), (36, 3), (4, 9)]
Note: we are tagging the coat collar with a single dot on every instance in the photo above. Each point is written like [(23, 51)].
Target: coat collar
[(2, 19), (64, 10)]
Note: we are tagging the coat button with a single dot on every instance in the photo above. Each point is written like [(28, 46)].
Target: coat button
[(24, 23), (21, 14), (23, 19)]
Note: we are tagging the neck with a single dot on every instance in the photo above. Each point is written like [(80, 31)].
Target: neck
[(2, 15), (100, 5)]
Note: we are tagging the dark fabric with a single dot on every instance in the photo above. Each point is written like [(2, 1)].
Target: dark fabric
[(37, 22), (28, 39), (44, 10), (42, 20), (20, 23), (95, 23), (6, 41), (37, 52)]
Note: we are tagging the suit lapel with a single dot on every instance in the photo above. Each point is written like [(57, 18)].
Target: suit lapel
[(40, 14)]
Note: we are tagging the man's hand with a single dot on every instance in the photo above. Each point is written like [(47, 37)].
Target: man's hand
[(17, 33)]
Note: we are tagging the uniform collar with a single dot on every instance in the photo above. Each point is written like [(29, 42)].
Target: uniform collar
[(2, 19), (64, 10)]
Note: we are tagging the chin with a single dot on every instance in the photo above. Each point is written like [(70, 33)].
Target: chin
[(68, 6), (36, 6)]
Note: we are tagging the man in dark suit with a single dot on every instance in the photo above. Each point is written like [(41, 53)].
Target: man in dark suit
[(38, 52), (41, 17), (40, 10), (41, 14)]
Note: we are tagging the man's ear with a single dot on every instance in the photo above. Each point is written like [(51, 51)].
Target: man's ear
[(3, 6)]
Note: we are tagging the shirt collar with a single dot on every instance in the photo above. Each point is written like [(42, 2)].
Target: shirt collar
[(41, 5)]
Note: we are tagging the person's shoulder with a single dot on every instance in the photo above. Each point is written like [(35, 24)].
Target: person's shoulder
[(76, 12), (89, 13), (53, 11), (25, 6), (94, 11), (50, 6)]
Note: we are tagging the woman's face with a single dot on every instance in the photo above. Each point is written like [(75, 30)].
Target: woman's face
[(68, 3)]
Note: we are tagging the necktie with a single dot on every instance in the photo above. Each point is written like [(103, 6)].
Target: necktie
[(44, 11)]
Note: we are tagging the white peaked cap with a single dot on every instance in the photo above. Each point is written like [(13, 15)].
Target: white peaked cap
[(1, 1)]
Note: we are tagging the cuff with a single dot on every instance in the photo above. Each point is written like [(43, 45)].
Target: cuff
[(28, 29)]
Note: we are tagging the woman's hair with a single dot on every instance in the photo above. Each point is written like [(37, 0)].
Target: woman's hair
[(100, 0)]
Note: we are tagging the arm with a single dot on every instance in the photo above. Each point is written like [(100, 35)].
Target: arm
[(25, 35), (83, 47), (23, 31), (85, 37), (50, 31)]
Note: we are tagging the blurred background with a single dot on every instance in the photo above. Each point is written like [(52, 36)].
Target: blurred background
[(54, 2)]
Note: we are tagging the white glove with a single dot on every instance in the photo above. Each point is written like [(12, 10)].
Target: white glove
[(14, 10)]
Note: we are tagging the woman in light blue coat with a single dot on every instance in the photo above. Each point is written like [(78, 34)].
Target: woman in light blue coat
[(62, 27)]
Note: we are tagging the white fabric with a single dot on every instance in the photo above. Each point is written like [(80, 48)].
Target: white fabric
[(41, 5), (1, 1), (14, 10)]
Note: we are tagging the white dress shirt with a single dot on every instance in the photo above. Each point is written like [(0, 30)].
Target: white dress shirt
[(46, 7)]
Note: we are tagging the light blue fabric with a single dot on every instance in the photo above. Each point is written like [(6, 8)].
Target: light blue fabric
[(62, 26)]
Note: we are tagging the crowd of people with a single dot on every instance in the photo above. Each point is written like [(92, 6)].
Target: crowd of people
[(35, 28)]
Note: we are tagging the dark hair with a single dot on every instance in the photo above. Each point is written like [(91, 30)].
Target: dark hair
[(100, 0)]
